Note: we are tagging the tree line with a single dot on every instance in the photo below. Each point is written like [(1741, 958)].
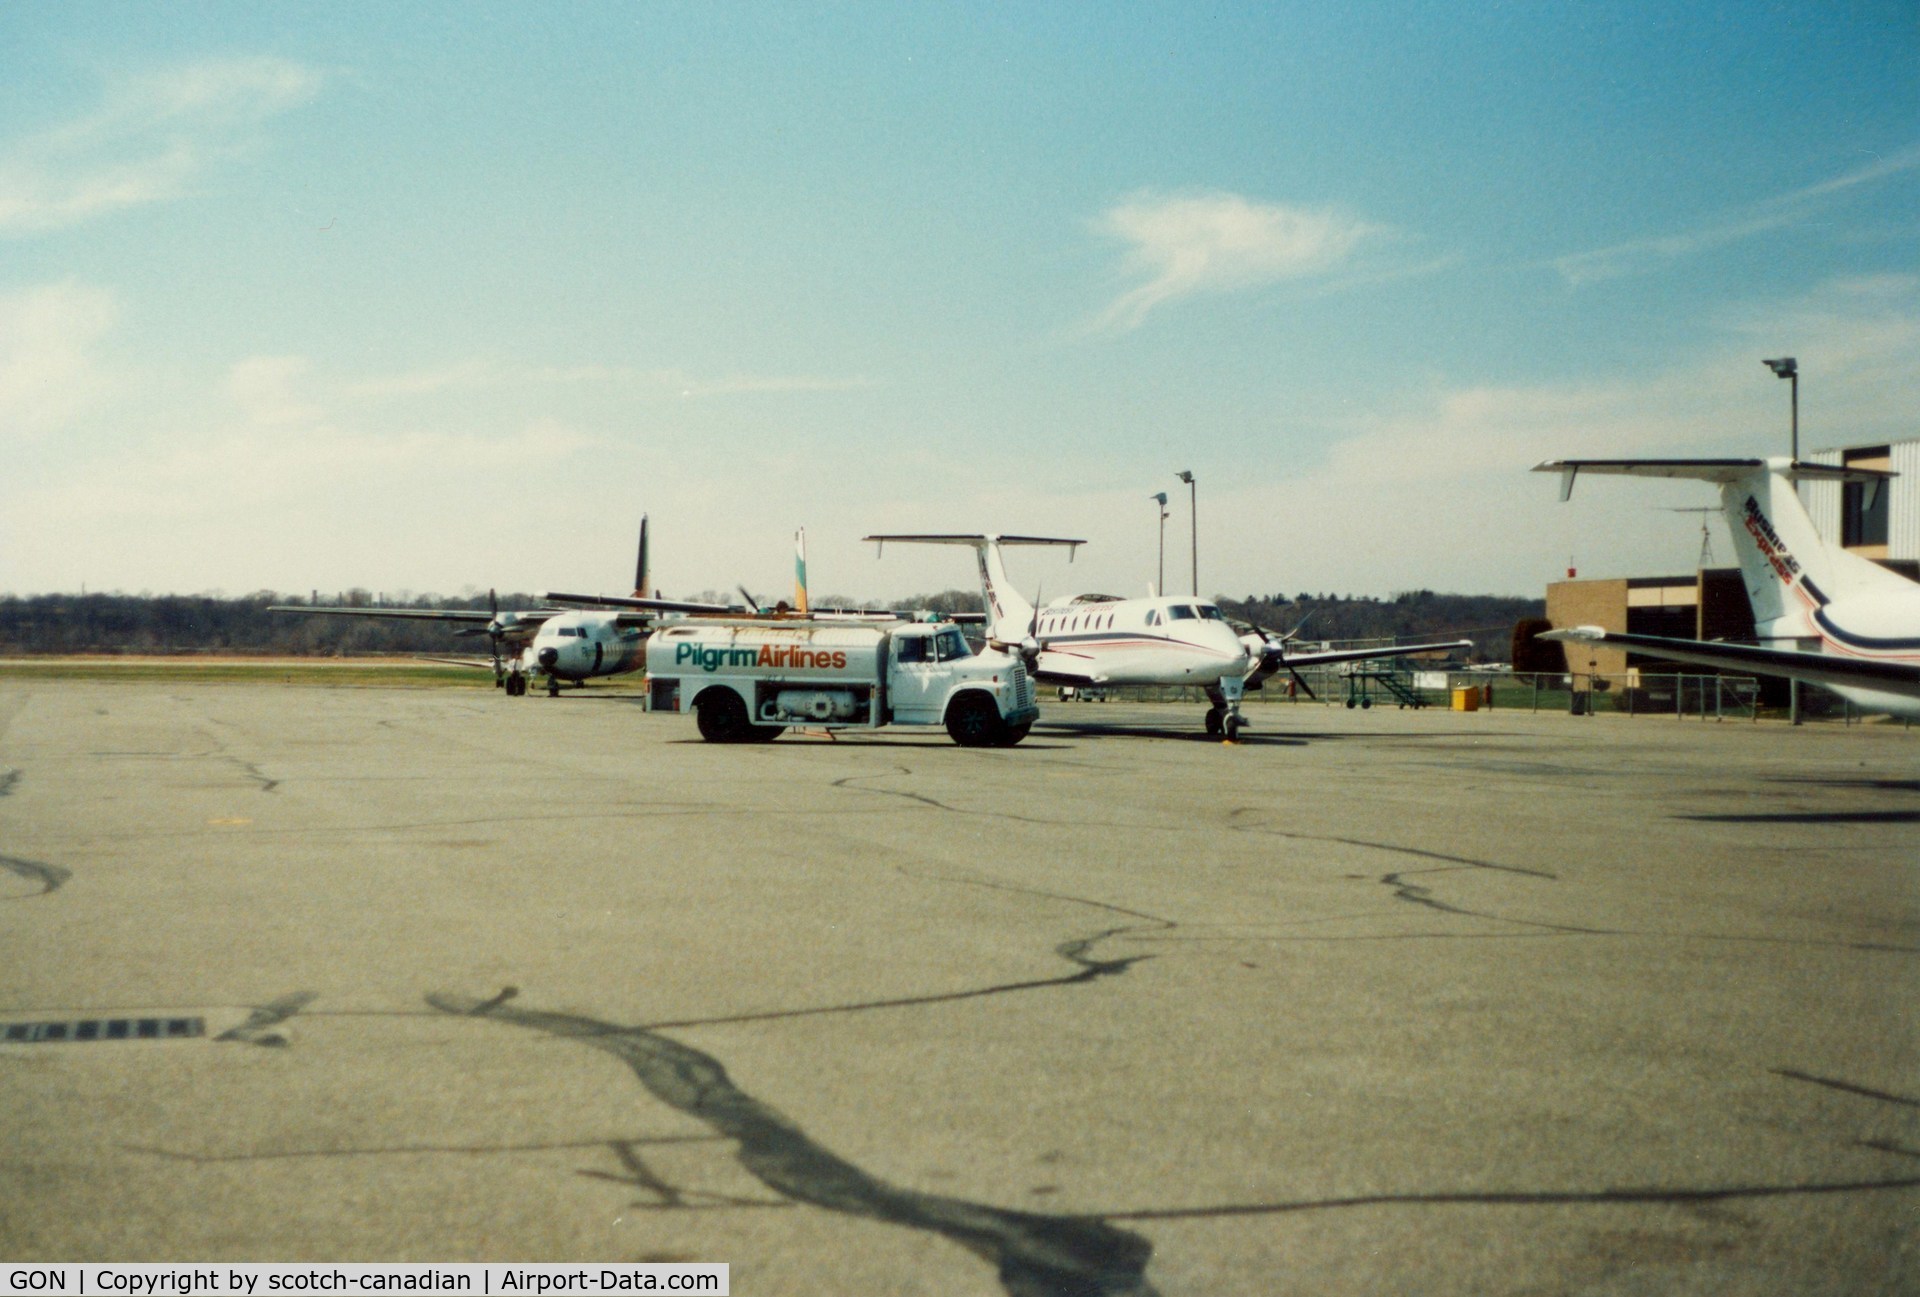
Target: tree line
[(164, 624)]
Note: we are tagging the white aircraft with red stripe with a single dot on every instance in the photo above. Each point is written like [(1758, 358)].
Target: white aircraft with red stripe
[(1821, 613), (1098, 639)]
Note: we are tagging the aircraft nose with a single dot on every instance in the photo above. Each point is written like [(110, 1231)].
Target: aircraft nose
[(548, 656)]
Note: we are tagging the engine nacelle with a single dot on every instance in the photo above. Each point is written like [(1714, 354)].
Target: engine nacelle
[(811, 704)]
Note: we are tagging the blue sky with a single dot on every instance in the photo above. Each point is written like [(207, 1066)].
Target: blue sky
[(433, 298)]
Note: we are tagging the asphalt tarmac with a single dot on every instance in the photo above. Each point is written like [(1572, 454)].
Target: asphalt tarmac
[(1373, 1002)]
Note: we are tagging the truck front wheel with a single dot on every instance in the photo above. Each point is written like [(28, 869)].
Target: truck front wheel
[(722, 717), (1012, 734), (974, 722)]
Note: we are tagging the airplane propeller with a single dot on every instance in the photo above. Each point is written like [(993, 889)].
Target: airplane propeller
[(1028, 646), (1275, 640), (495, 630)]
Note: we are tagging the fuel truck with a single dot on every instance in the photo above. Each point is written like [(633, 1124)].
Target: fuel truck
[(748, 680)]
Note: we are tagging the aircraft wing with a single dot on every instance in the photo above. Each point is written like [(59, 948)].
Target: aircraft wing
[(1277, 657), (485, 664), (1819, 668), (477, 616), (634, 603)]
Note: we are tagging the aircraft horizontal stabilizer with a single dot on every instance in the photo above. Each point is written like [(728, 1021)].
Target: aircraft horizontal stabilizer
[(1704, 470), (1820, 668)]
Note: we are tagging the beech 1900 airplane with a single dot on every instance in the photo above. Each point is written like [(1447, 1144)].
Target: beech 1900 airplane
[(557, 643), (1820, 613), (1096, 639)]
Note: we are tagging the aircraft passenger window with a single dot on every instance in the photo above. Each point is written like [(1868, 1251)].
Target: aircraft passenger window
[(1180, 612), (912, 649), (1210, 613)]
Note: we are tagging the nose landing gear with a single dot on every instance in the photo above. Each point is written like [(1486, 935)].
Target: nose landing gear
[(1223, 718)]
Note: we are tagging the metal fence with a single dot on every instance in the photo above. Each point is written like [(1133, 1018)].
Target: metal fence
[(1636, 693)]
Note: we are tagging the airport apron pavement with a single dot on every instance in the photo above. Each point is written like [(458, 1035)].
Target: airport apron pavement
[(1381, 1001)]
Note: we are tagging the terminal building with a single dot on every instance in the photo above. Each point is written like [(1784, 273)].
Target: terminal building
[(1881, 523)]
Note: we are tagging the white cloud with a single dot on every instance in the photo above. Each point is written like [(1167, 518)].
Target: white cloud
[(1220, 243), (150, 137), (49, 372), (1780, 212)]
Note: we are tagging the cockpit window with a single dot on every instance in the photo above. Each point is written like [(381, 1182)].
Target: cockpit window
[(910, 648), (1210, 613), (951, 644), (1153, 616), (1180, 612)]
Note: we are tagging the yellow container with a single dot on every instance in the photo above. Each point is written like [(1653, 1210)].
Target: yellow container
[(1467, 699)]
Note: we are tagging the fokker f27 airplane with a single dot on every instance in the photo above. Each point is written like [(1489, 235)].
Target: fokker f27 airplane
[(1820, 613), (558, 643), (1096, 639)]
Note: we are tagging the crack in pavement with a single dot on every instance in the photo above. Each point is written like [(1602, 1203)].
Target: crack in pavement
[(1519, 1198), (851, 782), (669, 1196), (1847, 1087), (412, 1150), (1414, 893), (1035, 1255), (1075, 950), (256, 1029), (50, 877)]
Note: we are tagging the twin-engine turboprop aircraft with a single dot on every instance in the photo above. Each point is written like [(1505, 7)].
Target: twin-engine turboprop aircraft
[(1820, 613), (1095, 639), (556, 643)]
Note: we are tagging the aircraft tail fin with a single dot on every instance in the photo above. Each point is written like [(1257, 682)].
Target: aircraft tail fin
[(641, 574), (1790, 571), (1009, 614), (800, 571)]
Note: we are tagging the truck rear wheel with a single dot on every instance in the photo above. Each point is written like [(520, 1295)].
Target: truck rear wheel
[(722, 717), (974, 722)]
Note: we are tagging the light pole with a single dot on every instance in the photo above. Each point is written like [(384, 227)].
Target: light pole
[(1193, 506), (1788, 368), (1160, 498)]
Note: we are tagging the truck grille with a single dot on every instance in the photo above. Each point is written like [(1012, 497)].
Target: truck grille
[(1022, 687)]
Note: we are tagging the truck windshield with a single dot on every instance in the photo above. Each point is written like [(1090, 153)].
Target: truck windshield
[(951, 644)]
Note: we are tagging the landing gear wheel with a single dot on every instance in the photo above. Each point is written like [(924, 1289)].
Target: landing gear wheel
[(1216, 721), (974, 722), (553, 686), (722, 717), (1232, 726), (516, 685)]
